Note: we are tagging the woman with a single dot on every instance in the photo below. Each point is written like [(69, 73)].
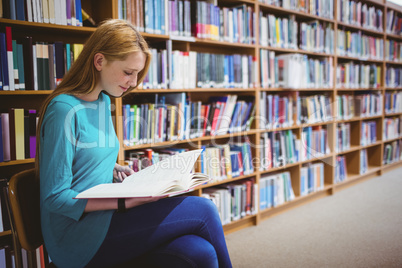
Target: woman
[(78, 149)]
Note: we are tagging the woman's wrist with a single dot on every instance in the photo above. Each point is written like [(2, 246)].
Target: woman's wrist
[(121, 205)]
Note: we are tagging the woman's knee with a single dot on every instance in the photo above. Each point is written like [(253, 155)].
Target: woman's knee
[(186, 251), (203, 206)]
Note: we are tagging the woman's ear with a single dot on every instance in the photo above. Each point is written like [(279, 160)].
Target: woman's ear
[(99, 61)]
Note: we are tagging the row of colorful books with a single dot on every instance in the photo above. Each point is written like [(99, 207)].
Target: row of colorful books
[(288, 109), (393, 76), (368, 133), (227, 161), (358, 45), (321, 8), (179, 18), (278, 31), (394, 22), (63, 12), (278, 149), (17, 134), (172, 116), (275, 190), (27, 65), (360, 14), (311, 178), (314, 143), (341, 173), (342, 137), (184, 70), (392, 128), (393, 50), (189, 19), (359, 105), (393, 102), (235, 200), (317, 37), (235, 24), (358, 75), (283, 32), (392, 152), (226, 71), (147, 15), (294, 71)]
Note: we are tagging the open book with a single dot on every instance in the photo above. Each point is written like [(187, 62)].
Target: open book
[(171, 176)]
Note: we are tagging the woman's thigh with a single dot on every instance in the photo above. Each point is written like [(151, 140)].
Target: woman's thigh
[(147, 227)]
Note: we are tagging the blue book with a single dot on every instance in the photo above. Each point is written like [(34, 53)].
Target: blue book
[(4, 61), (269, 193), (162, 25), (263, 196), (242, 115), (235, 117), (13, 15), (235, 164), (202, 158), (156, 16), (78, 13), (235, 27), (274, 192), (231, 72), (226, 72), (20, 10), (247, 115)]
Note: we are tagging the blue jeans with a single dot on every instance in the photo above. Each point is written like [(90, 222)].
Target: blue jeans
[(172, 232)]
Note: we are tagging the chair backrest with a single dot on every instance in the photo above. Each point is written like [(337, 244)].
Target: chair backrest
[(24, 197)]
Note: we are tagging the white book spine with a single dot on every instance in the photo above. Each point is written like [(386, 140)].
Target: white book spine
[(10, 70)]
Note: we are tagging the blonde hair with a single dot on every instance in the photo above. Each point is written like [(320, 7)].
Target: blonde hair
[(115, 39)]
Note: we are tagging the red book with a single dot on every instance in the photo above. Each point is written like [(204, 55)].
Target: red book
[(215, 120), (206, 116), (10, 59)]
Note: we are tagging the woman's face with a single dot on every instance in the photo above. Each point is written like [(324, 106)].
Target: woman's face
[(117, 76)]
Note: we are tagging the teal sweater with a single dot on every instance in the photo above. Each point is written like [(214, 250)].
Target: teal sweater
[(78, 149)]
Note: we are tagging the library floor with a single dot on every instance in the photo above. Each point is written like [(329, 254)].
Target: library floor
[(360, 226)]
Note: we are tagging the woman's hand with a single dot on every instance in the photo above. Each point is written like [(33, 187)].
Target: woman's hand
[(121, 172)]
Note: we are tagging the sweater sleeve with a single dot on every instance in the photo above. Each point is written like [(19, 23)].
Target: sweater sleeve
[(57, 151)]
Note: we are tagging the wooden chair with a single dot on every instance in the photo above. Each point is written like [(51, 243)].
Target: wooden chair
[(24, 199)]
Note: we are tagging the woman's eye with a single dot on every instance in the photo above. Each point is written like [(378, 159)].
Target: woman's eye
[(127, 73)]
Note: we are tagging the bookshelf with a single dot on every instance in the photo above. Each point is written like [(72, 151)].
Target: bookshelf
[(378, 87)]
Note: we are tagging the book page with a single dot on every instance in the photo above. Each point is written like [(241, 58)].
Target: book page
[(171, 175)]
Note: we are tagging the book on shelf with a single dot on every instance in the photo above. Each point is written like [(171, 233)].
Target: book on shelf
[(312, 178), (363, 161), (169, 177), (340, 169), (275, 190), (235, 200)]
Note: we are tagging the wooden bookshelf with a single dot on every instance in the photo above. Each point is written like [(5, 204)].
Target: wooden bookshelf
[(104, 9)]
